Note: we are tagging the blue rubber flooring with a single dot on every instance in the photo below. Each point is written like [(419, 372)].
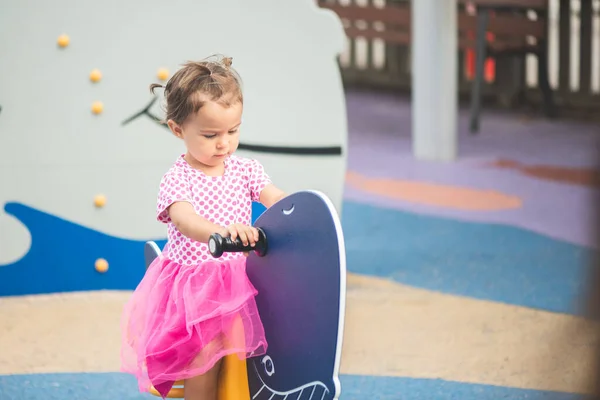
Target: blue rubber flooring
[(117, 386)]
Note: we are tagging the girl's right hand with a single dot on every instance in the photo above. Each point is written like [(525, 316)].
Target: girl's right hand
[(247, 234)]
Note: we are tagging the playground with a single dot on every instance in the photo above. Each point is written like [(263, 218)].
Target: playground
[(481, 299), (466, 279)]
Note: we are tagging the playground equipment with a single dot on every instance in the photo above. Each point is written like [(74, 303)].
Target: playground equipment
[(299, 269)]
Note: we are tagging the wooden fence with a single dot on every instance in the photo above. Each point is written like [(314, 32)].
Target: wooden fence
[(573, 31)]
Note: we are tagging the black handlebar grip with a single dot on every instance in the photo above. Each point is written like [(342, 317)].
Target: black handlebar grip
[(218, 245)]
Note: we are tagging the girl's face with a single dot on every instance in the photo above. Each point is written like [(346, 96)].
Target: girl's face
[(210, 135)]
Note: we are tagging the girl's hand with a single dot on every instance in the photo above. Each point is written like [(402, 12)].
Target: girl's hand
[(247, 234)]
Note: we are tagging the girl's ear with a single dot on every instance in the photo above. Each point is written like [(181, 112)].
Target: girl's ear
[(175, 128)]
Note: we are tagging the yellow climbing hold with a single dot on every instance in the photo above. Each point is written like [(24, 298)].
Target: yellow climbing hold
[(95, 75), (97, 107), (162, 74), (101, 265), (63, 40), (100, 200)]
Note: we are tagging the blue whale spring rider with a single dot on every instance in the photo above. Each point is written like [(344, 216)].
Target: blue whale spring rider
[(299, 269)]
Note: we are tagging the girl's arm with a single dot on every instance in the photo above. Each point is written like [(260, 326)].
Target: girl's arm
[(198, 228), (190, 224), (270, 195)]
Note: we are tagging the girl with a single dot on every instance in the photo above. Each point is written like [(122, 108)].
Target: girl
[(191, 310)]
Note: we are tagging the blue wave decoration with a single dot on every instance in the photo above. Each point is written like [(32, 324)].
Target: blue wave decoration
[(63, 254)]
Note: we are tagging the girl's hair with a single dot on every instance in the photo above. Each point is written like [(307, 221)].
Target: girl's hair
[(190, 86)]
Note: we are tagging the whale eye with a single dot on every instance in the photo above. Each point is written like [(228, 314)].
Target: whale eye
[(288, 211), (269, 366)]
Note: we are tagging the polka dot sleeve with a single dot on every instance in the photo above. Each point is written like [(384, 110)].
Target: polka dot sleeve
[(258, 179), (174, 187)]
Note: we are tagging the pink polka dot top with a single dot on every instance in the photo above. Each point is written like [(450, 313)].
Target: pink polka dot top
[(223, 200)]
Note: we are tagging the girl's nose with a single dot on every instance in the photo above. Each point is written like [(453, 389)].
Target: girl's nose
[(223, 142)]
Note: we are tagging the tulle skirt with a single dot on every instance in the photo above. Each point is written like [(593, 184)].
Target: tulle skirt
[(181, 320)]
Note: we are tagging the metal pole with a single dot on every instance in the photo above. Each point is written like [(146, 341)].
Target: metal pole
[(434, 80)]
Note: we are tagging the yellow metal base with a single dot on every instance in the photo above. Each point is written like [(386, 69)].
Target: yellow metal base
[(233, 382)]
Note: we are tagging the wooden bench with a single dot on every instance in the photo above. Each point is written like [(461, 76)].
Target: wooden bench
[(513, 32)]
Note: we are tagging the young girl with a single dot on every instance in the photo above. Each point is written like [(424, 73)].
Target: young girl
[(191, 310)]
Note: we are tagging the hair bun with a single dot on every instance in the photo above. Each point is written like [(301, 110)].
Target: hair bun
[(227, 61)]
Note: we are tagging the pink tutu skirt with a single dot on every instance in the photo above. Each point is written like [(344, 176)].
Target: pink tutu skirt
[(182, 319)]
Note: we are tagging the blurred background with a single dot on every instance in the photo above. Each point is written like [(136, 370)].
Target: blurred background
[(470, 197)]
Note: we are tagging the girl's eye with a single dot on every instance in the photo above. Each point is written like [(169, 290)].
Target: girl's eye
[(210, 136), (234, 131)]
